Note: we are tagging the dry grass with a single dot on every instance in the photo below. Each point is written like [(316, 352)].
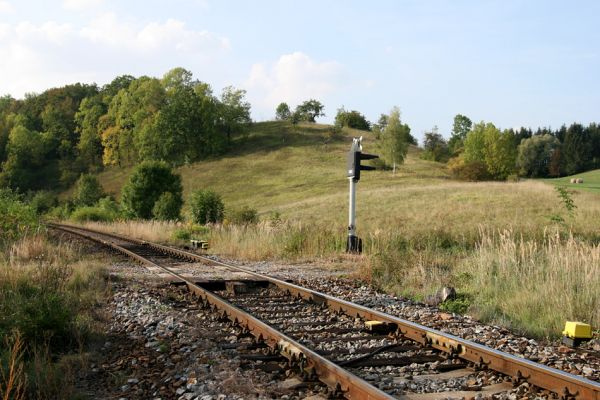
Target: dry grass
[(534, 285), (48, 296), (154, 231)]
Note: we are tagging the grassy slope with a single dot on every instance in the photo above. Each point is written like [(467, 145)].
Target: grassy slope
[(591, 181), (299, 172)]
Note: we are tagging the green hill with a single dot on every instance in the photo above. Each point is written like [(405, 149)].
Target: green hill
[(299, 172)]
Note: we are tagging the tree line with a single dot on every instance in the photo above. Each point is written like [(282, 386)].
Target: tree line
[(49, 140), (483, 151)]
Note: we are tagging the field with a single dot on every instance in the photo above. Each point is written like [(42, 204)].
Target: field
[(496, 242), (591, 181)]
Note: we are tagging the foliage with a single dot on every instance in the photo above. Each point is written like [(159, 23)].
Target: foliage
[(234, 110), (149, 180), (206, 206), (435, 146), (567, 200), (351, 119), (310, 110), (535, 155), (468, 170), (167, 207), (243, 216), (460, 128), (282, 112), (88, 190), (395, 139), (96, 214), (486, 145), (43, 200), (16, 218)]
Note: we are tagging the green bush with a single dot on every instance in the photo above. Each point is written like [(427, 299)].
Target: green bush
[(471, 171), (245, 216), (43, 201), (206, 206), (96, 214), (148, 182), (62, 211), (16, 217), (167, 207), (87, 190), (110, 205)]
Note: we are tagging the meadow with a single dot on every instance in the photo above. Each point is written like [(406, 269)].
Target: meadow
[(496, 242)]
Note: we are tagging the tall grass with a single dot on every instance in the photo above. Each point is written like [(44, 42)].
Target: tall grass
[(48, 294), (534, 285)]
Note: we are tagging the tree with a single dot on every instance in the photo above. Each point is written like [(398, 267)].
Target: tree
[(282, 112), (90, 144), (577, 150), (495, 149), (234, 110), (88, 190), (435, 146), (461, 127), (535, 155), (149, 180), (167, 207), (206, 206), (25, 157), (395, 139), (351, 119), (310, 110)]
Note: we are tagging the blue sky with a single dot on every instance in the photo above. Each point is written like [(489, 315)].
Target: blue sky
[(513, 63)]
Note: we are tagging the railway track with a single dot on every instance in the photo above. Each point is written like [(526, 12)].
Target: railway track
[(359, 353)]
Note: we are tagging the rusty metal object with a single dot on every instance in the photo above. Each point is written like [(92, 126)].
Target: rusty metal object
[(562, 383)]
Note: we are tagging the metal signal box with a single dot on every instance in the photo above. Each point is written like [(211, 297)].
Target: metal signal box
[(577, 330), (354, 163)]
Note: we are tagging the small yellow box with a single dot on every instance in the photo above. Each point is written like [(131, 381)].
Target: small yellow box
[(577, 330), (372, 324)]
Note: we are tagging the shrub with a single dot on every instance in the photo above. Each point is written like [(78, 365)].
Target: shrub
[(468, 171), (110, 205), (167, 207), (16, 217), (96, 214), (43, 201), (149, 181), (87, 190), (206, 206), (352, 119), (245, 216)]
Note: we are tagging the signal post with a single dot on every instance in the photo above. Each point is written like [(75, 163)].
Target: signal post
[(355, 156)]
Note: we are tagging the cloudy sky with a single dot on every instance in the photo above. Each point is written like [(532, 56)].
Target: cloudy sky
[(513, 63)]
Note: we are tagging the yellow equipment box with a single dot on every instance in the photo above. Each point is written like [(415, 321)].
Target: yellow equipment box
[(577, 330)]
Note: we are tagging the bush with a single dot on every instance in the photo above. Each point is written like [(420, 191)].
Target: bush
[(149, 181), (87, 190), (206, 206), (43, 201), (95, 214), (245, 216), (167, 207), (16, 217), (468, 171), (352, 119)]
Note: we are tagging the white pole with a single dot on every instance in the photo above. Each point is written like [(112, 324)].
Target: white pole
[(352, 209)]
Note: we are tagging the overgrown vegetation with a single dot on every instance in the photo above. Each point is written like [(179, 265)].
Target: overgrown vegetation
[(48, 293)]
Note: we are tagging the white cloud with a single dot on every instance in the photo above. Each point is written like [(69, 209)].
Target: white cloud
[(5, 7), (293, 78), (81, 4), (172, 34), (39, 56)]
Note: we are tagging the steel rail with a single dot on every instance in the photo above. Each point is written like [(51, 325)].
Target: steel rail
[(336, 377), (566, 385)]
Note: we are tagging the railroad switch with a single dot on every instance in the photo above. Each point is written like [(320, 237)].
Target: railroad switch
[(576, 333)]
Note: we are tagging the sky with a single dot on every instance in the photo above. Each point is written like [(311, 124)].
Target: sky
[(514, 63)]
